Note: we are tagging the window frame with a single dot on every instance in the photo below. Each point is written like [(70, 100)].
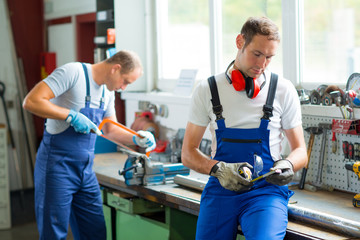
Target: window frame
[(292, 36)]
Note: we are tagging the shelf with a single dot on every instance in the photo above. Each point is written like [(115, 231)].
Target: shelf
[(104, 21), (159, 97), (325, 111), (105, 16)]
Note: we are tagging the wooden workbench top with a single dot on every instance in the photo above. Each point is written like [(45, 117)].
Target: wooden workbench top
[(339, 204)]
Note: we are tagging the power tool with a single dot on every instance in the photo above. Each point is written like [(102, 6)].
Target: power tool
[(354, 167)]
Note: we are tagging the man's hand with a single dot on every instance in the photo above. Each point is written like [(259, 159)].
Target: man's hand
[(286, 175), (81, 123), (229, 176), (147, 141)]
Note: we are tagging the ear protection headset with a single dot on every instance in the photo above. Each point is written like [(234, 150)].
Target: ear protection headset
[(240, 82)]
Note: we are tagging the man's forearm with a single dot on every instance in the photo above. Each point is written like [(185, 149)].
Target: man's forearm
[(298, 157), (197, 161), (46, 109)]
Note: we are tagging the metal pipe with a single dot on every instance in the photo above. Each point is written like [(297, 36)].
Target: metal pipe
[(324, 220)]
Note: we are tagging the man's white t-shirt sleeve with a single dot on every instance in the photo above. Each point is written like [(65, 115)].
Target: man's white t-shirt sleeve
[(62, 78), (198, 113), (291, 116)]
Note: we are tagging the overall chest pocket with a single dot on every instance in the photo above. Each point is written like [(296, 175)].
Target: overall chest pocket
[(232, 140), (243, 150)]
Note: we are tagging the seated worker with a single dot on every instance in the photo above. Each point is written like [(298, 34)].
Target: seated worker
[(248, 109), (74, 99)]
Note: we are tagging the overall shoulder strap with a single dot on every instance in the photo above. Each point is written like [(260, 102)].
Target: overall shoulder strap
[(268, 107), (88, 97), (217, 107)]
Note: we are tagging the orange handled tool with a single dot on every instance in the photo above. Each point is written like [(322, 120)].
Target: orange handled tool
[(123, 127), (119, 125)]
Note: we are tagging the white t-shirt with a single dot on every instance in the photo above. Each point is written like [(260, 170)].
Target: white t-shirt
[(69, 87), (240, 111)]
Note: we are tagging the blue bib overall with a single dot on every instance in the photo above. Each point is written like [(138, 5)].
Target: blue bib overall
[(262, 211), (66, 188)]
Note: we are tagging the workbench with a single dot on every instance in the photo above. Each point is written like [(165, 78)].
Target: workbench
[(304, 207)]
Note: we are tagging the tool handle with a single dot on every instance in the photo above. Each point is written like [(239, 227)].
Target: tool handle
[(127, 169), (302, 180), (119, 125), (266, 174), (351, 151), (309, 148), (2, 89), (334, 146), (345, 147)]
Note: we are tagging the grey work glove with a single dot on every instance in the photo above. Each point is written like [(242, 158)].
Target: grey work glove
[(286, 175), (229, 176)]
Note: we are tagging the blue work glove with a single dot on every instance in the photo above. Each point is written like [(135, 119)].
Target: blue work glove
[(286, 174), (232, 176), (81, 123), (147, 141)]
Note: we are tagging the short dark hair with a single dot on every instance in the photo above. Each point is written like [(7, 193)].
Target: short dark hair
[(262, 26), (128, 60)]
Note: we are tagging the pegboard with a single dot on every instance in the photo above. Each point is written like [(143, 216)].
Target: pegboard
[(334, 173)]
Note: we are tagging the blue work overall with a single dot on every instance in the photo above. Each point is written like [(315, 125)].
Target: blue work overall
[(66, 188), (262, 211)]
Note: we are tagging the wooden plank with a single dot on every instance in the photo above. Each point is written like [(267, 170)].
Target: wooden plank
[(26, 116)]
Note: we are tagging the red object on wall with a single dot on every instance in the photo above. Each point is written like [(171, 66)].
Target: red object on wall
[(346, 126), (47, 63)]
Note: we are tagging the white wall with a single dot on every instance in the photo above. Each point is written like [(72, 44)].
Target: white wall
[(134, 24), (61, 38), (178, 111), (64, 8)]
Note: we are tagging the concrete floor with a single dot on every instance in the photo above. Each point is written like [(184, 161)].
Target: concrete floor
[(27, 231), (23, 224)]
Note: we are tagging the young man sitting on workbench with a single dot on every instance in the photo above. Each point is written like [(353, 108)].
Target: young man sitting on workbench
[(74, 99), (248, 108)]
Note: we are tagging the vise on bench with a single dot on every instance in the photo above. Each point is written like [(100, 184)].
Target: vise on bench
[(140, 170)]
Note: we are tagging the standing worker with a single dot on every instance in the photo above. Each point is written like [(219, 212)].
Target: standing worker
[(74, 99), (247, 117)]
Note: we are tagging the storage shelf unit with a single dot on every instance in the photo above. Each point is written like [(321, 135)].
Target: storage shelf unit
[(5, 217), (104, 22)]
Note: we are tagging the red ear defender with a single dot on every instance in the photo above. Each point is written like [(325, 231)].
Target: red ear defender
[(249, 84), (238, 80), (252, 87), (257, 88)]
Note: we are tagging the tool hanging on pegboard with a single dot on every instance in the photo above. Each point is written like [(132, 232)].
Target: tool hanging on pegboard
[(313, 131)]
